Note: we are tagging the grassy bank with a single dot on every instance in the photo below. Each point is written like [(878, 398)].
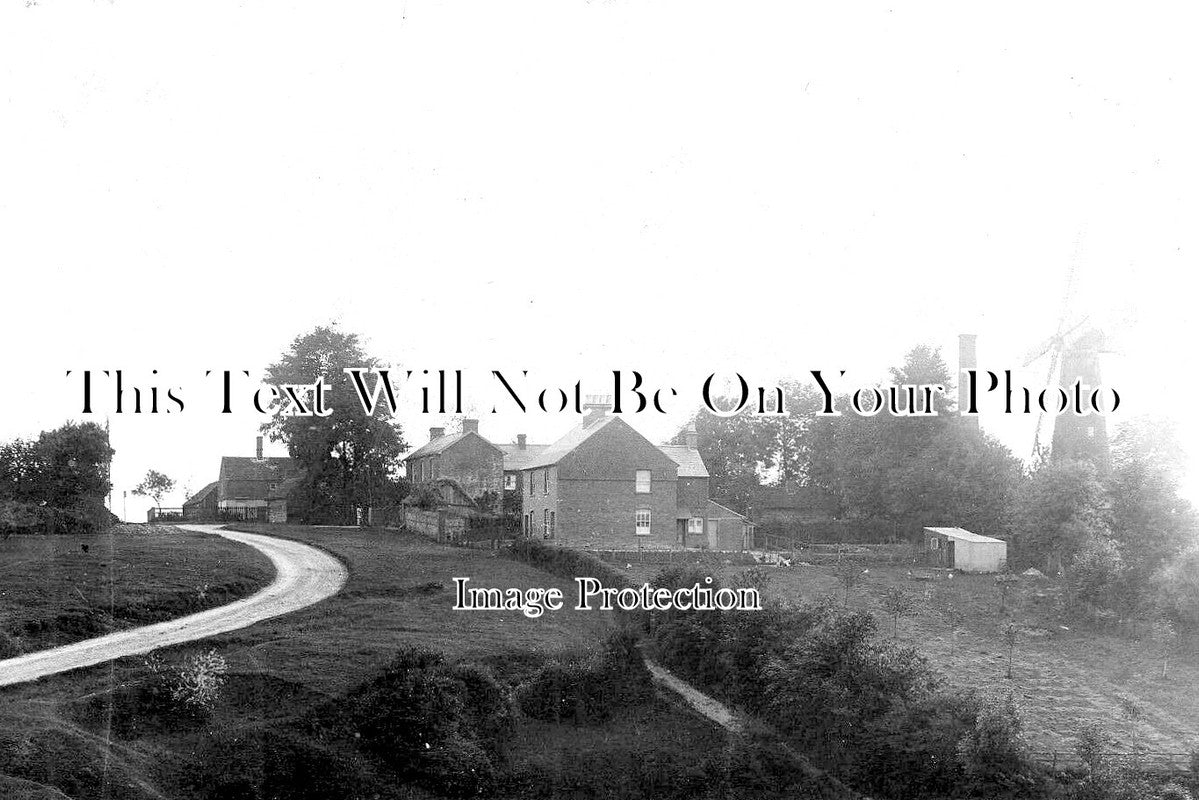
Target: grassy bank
[(99, 733), (60, 589)]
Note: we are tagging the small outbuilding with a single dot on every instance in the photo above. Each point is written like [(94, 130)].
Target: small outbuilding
[(957, 548)]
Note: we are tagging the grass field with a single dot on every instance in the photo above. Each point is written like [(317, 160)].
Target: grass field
[(1063, 674), (82, 734), (60, 589)]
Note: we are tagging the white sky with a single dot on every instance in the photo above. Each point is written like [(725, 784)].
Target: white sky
[(569, 187)]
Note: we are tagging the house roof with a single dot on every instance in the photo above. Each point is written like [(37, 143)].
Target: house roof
[(569, 441), (242, 468), (727, 510), (516, 459), (202, 495), (964, 535), (691, 465), (441, 444)]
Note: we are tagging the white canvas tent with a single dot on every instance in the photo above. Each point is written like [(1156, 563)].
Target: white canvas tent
[(958, 548)]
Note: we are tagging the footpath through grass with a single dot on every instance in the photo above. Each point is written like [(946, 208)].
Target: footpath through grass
[(56, 590)]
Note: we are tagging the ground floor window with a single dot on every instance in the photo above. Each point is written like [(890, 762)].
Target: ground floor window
[(643, 519), (695, 525), (545, 525)]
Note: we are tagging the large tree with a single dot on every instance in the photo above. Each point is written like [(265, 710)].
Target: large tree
[(1060, 508), (349, 457), (1151, 521)]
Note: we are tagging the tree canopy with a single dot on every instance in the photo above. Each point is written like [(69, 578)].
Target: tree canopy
[(349, 457)]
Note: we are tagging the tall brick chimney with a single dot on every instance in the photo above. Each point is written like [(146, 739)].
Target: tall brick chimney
[(258, 451), (691, 437), (436, 433), (470, 426), (522, 441)]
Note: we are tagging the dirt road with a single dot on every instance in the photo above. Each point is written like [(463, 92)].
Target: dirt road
[(303, 576)]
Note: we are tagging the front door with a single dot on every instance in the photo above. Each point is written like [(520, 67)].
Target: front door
[(949, 553)]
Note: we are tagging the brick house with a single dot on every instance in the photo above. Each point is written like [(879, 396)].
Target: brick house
[(473, 464), (604, 485), (258, 486), (517, 456)]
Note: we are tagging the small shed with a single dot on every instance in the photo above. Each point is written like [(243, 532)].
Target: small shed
[(957, 548)]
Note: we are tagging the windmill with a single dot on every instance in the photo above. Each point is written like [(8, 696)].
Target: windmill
[(1073, 355)]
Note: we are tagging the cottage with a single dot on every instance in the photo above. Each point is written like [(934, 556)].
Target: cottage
[(256, 488), (466, 458), (956, 548), (201, 506)]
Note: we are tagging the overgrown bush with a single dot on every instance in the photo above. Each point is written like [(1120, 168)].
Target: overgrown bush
[(566, 562), (197, 681), (429, 722), (993, 752), (1176, 589), (489, 705), (586, 690)]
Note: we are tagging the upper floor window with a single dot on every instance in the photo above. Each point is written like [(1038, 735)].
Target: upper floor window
[(531, 473), (510, 482), (545, 481), (643, 481)]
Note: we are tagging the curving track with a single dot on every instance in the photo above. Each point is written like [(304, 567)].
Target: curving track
[(304, 575)]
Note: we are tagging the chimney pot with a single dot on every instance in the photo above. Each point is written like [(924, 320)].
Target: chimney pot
[(597, 406), (470, 426), (522, 441), (259, 449), (691, 436), (436, 433)]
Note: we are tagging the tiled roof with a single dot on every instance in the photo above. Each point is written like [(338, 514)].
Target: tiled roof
[(572, 439), (441, 444), (726, 511), (963, 535), (240, 468), (691, 465), (516, 459), (202, 495)]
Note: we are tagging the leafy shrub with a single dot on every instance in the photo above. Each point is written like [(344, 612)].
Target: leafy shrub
[(1096, 579), (586, 690), (275, 762), (488, 704), (1176, 588), (993, 752), (565, 562), (198, 680), (429, 722)]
